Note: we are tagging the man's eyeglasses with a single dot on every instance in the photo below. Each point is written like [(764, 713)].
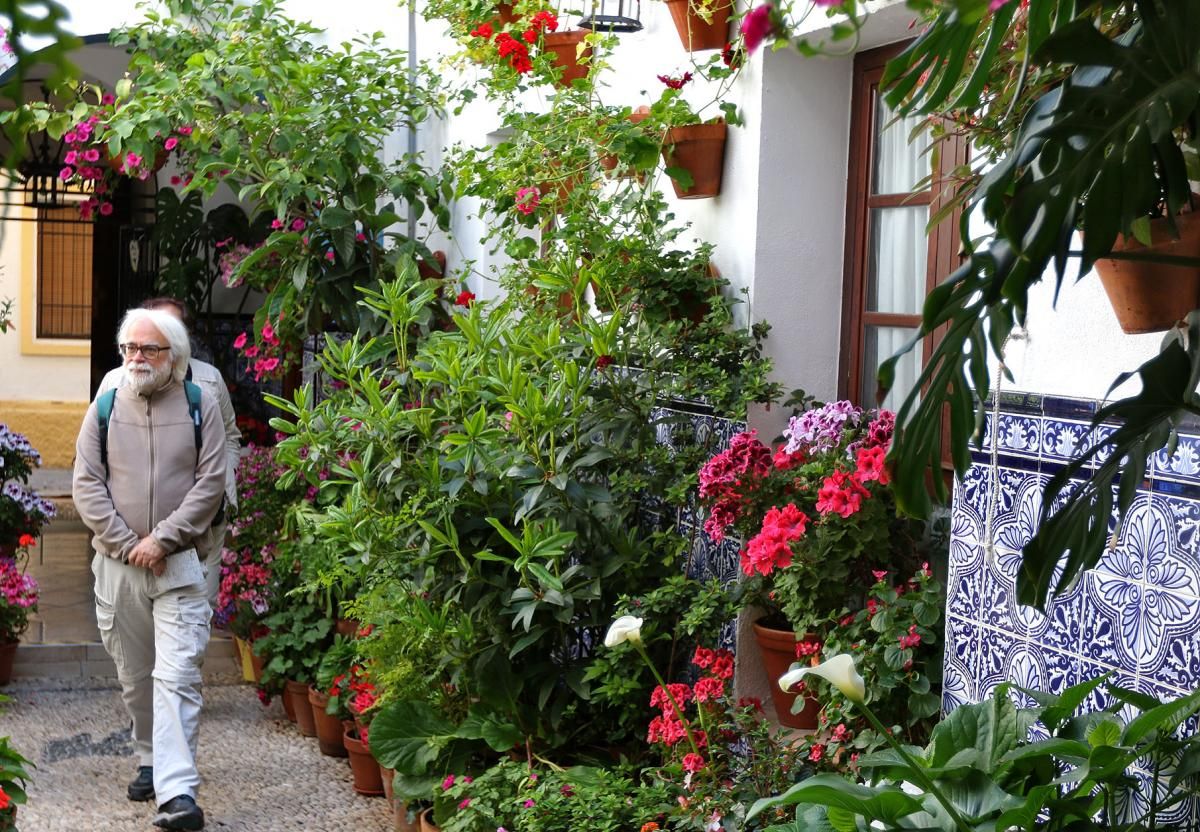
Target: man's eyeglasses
[(150, 351)]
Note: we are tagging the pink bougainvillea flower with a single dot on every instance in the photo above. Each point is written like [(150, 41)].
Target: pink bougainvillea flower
[(276, 224), (108, 98), (71, 137), (758, 24), (996, 4), (171, 143), (185, 130), (239, 341), (329, 255), (91, 155), (360, 237), (66, 173), (106, 209), (298, 224), (132, 160)]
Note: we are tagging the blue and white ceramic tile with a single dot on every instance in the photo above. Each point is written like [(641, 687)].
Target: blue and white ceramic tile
[(1063, 439), (1183, 465)]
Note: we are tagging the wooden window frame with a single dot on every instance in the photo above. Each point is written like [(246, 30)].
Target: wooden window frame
[(62, 249), (942, 253)]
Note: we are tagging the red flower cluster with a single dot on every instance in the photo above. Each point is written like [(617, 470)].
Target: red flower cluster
[(26, 540), (723, 477), (515, 51), (770, 549), (913, 639), (464, 298), (603, 361), (805, 649), (841, 494), (871, 465), (675, 83)]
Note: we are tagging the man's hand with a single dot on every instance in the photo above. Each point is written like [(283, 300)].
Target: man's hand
[(149, 554)]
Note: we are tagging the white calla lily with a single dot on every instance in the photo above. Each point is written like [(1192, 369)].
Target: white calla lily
[(626, 628), (839, 671)]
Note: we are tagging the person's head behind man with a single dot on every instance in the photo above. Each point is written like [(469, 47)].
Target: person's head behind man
[(154, 348), (172, 305)]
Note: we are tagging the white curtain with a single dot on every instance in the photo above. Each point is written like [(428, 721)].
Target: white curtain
[(899, 247)]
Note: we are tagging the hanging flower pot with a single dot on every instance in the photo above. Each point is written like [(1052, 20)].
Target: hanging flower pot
[(505, 14), (564, 46), (329, 727), (1148, 296), (297, 694), (362, 764), (696, 33), (611, 162), (778, 650), (700, 150)]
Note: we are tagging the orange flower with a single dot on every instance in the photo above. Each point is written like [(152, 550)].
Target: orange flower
[(650, 827)]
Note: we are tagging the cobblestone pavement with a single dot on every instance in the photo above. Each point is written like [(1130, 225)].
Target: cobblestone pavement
[(258, 773)]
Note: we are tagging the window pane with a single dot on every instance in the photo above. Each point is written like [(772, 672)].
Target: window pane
[(881, 343), (64, 274), (897, 260), (899, 164)]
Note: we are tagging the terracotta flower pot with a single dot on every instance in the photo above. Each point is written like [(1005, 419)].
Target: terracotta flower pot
[(778, 650), (347, 627), (256, 663), (505, 14), (696, 33), (366, 770), (329, 727), (700, 150), (1147, 296), (386, 775), (405, 822), (289, 708), (564, 46), (611, 162), (434, 270), (297, 694), (427, 824), (8, 652)]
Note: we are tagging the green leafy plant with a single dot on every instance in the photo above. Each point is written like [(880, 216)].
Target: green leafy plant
[(14, 779), (982, 769), (298, 635), (1102, 152)]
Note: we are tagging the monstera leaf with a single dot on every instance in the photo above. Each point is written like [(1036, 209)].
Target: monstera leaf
[(1100, 154)]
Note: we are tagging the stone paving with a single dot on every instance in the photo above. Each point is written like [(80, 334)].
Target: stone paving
[(259, 774)]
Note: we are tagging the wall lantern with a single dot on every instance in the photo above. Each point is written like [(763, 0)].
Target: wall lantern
[(614, 16)]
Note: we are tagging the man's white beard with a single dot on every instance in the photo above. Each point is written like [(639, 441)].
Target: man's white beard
[(143, 377)]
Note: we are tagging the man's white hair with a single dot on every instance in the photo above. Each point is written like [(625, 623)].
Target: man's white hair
[(171, 328)]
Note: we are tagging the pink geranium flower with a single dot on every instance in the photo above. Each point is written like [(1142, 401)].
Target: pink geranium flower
[(757, 25)]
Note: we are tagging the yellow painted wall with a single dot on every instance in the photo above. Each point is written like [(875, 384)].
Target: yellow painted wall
[(50, 426)]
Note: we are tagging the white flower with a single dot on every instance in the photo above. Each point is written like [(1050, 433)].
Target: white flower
[(625, 628), (838, 671)]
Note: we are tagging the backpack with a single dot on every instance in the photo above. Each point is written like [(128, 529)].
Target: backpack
[(104, 409)]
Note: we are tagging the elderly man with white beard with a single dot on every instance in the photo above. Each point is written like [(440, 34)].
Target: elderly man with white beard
[(148, 487)]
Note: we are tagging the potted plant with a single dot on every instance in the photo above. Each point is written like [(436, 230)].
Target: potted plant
[(329, 693), (298, 634), (693, 149), (14, 777), (816, 517), (22, 511), (18, 598), (701, 24), (1147, 295)]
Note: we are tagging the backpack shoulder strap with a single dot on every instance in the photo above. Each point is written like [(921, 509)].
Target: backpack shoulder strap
[(104, 409), (192, 390)]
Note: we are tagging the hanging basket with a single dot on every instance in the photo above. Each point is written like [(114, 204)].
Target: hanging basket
[(1148, 296), (697, 34), (700, 150), (564, 46)]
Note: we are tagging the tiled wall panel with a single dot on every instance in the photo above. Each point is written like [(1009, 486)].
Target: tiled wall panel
[(1136, 615)]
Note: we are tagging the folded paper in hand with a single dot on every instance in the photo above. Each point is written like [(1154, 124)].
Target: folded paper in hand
[(183, 569)]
